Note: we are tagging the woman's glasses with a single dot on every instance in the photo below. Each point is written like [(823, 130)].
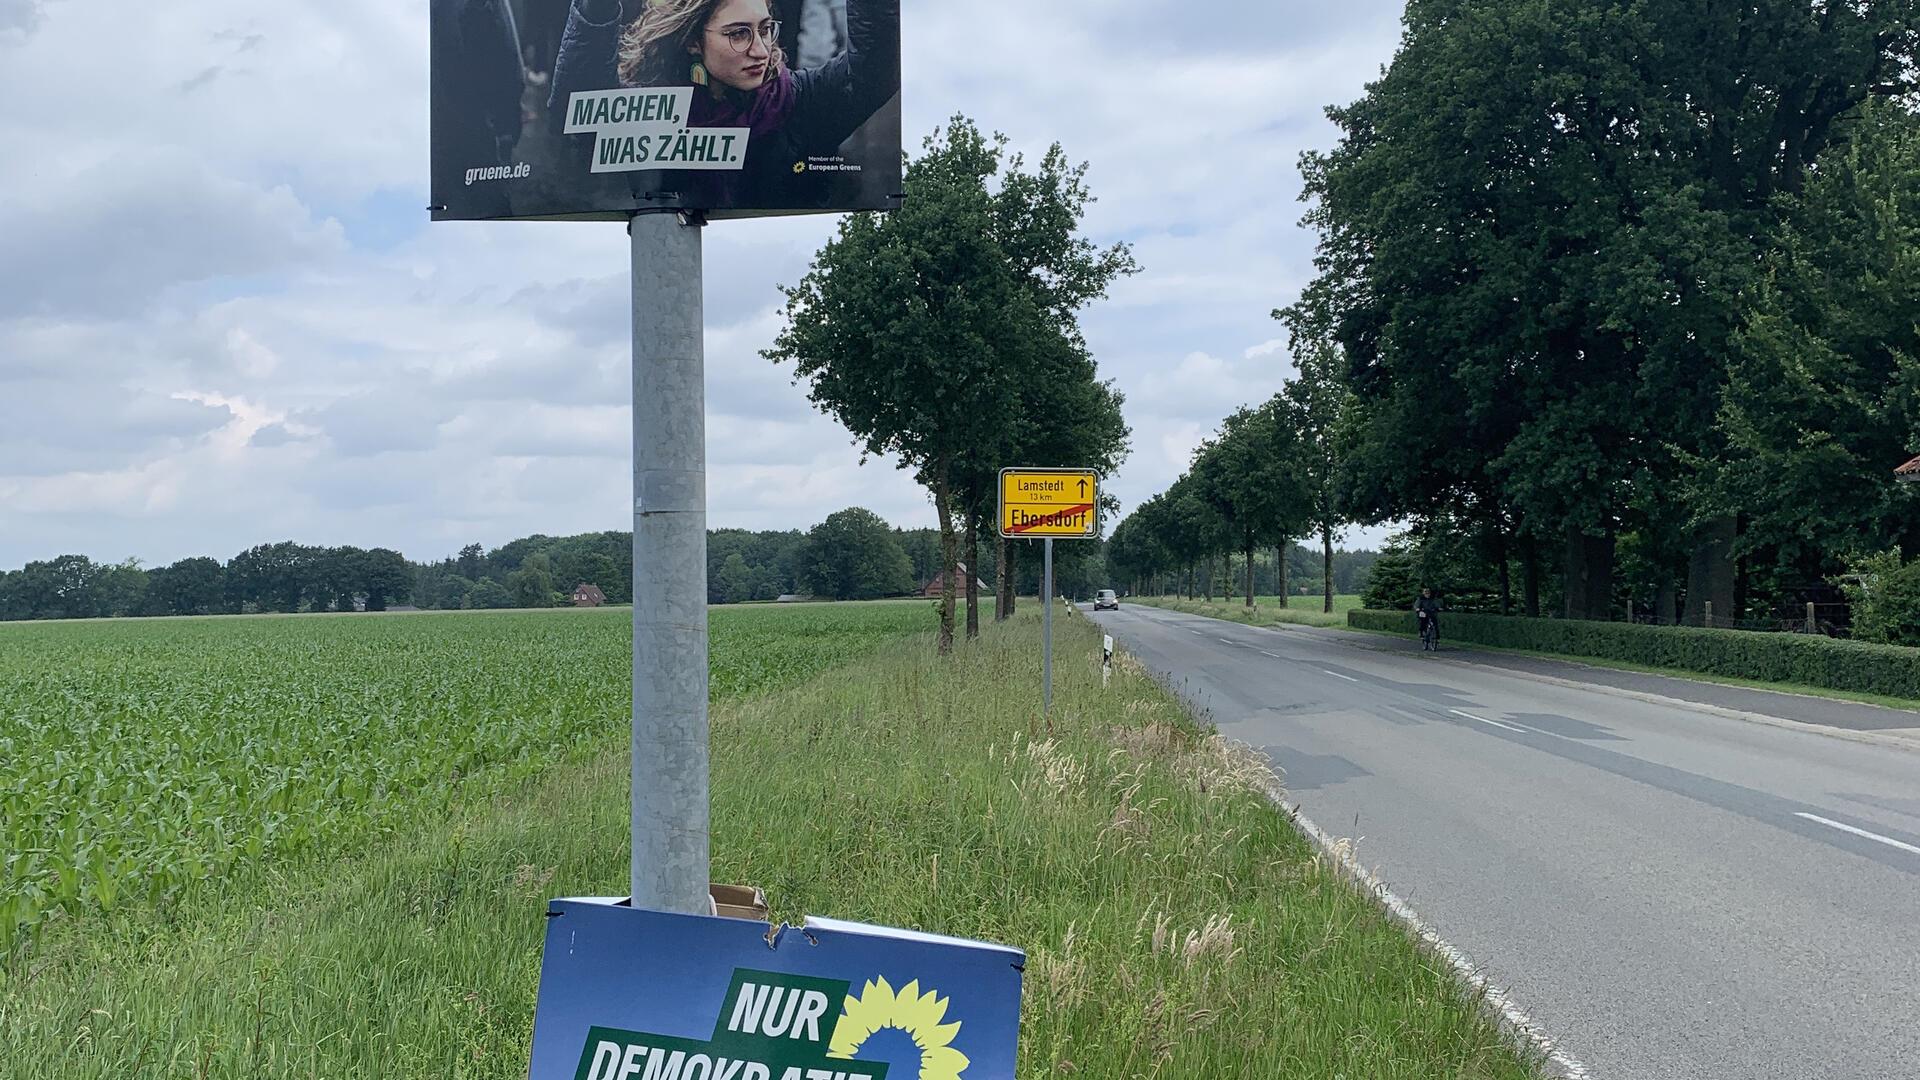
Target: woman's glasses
[(741, 37)]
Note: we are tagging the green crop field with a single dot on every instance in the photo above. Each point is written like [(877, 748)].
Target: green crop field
[(140, 757), (420, 785)]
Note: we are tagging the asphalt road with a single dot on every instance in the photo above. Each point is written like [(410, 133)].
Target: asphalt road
[(1666, 891)]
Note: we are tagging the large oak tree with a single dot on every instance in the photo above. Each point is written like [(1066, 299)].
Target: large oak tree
[(1536, 236)]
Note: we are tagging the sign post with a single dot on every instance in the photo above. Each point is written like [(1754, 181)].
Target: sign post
[(1049, 504), (1046, 634), (664, 128), (663, 138), (669, 868)]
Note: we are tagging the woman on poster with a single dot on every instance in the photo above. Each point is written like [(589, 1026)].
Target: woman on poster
[(730, 52)]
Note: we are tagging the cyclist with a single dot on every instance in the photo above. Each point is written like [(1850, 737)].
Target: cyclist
[(1427, 611)]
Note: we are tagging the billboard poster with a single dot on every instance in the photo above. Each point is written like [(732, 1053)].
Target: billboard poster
[(593, 109), (629, 994)]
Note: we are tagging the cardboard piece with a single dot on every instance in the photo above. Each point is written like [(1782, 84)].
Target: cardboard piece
[(739, 902)]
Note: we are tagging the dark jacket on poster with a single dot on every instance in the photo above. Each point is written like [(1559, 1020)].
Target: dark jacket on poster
[(795, 115), (476, 53)]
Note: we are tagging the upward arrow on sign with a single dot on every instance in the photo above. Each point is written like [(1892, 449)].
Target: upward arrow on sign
[(1083, 489)]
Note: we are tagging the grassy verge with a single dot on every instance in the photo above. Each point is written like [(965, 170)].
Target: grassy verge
[(1304, 610), (1176, 925)]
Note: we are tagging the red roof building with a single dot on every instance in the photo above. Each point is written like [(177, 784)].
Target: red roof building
[(933, 589)]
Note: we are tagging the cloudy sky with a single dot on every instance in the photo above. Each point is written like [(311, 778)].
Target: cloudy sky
[(225, 319)]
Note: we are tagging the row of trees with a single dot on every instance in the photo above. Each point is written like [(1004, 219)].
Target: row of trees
[(1268, 477), (947, 334), (852, 555), (271, 577), (750, 566), (1621, 301), (533, 571), (1296, 571)]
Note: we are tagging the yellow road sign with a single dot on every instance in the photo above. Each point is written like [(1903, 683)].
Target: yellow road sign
[(1060, 503)]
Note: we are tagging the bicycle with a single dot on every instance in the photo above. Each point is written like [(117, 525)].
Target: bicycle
[(1429, 633)]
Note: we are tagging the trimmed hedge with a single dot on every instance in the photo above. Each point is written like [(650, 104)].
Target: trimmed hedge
[(1887, 670)]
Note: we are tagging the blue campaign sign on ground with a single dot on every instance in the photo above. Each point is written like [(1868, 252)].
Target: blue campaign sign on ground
[(629, 994)]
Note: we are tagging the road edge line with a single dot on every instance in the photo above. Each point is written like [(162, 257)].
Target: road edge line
[(1513, 1021)]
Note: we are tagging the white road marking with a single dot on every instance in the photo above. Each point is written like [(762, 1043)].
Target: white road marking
[(1337, 675), (1274, 655), (1224, 641), (1495, 723), (1196, 633), (1844, 827), (1512, 1018)]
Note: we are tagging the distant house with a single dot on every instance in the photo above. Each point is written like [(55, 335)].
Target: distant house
[(1908, 473), (939, 583), (588, 596)]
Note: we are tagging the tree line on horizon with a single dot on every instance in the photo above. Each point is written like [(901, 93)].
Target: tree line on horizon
[(282, 576), (1619, 307), (851, 555)]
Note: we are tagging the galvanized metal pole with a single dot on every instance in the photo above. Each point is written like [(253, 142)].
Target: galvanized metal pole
[(670, 868), (1046, 648)]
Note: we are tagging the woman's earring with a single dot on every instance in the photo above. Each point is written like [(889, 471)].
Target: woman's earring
[(699, 73)]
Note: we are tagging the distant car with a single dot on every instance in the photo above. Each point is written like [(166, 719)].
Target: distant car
[(1106, 598)]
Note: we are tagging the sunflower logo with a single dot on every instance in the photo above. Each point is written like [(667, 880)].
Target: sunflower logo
[(878, 1007), (799, 167)]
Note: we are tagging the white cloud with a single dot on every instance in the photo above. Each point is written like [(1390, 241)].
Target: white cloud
[(18, 18), (222, 323), (112, 236)]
